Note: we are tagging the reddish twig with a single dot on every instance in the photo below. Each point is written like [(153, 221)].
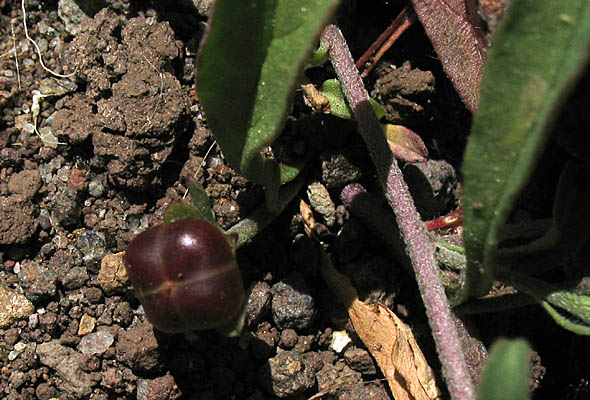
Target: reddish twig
[(374, 53), (450, 220), (418, 244)]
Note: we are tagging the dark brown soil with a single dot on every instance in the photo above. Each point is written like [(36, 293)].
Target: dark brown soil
[(131, 132)]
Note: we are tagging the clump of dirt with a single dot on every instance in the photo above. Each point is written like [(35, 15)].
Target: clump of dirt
[(133, 109)]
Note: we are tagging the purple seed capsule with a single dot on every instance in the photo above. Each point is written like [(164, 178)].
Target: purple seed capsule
[(185, 275)]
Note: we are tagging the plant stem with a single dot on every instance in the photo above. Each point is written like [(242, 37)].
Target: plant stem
[(418, 244), (254, 223)]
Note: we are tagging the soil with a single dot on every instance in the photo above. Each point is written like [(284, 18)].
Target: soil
[(131, 132)]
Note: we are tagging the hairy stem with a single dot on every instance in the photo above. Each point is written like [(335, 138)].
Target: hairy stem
[(254, 223), (418, 245)]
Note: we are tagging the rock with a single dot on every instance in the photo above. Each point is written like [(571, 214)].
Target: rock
[(44, 391), (92, 294), (13, 306), (320, 201), (92, 245), (406, 93), (96, 342), (203, 7), (48, 321), (87, 325), (161, 388), (137, 347), (65, 207), (287, 374), (288, 339), (39, 283), (292, 305), (432, 185), (72, 16), (17, 224), (74, 277), (360, 360), (26, 183), (258, 302), (338, 169), (112, 275), (67, 364)]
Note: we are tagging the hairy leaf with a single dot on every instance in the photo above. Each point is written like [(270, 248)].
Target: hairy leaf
[(201, 201), (179, 210), (448, 25), (506, 372), (570, 227), (249, 66), (538, 52)]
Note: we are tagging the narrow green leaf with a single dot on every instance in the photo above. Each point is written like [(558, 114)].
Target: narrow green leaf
[(570, 228), (201, 201), (538, 52), (249, 66), (180, 209), (505, 374), (564, 322), (569, 307)]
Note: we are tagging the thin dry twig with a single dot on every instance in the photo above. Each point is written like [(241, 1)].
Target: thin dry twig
[(37, 47), (15, 56), (400, 24)]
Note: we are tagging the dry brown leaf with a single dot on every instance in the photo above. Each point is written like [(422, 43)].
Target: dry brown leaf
[(314, 98), (389, 340), (405, 144), (307, 217)]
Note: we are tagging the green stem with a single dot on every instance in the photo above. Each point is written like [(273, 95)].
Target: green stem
[(254, 223)]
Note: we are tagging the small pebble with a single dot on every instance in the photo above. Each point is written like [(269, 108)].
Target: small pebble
[(288, 373), (258, 303), (161, 388), (87, 325), (340, 340), (96, 342), (320, 201), (292, 305), (112, 275), (360, 360), (39, 283), (288, 339), (13, 306)]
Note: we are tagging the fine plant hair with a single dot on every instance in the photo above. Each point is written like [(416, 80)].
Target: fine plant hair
[(418, 244)]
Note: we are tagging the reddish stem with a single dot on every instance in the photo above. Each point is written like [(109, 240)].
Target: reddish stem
[(400, 24), (450, 220), (418, 244)]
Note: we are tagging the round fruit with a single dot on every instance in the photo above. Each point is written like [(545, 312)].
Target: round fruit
[(185, 275)]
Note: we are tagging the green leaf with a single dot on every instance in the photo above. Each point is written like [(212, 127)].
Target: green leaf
[(249, 66), (201, 201), (570, 308), (180, 209), (318, 57), (505, 374), (339, 107), (570, 228), (538, 52)]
